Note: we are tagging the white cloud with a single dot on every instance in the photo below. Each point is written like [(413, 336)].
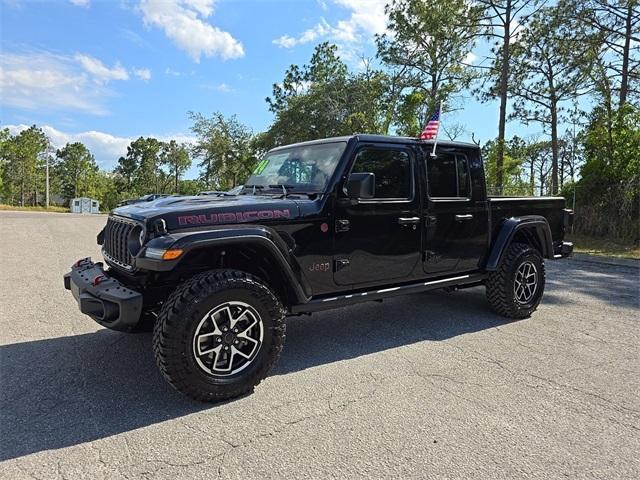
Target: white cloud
[(43, 80), (366, 18), (100, 72), (319, 30), (142, 73), (219, 87), (81, 3), (183, 21), (470, 58), (105, 147), (223, 87), (171, 72)]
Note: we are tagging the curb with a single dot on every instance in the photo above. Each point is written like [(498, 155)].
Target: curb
[(619, 262)]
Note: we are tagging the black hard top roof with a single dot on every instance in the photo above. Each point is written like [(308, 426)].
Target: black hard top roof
[(383, 139)]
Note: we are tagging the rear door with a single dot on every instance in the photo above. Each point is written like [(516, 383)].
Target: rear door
[(378, 240), (456, 214)]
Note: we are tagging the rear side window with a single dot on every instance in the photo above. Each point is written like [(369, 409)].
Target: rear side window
[(448, 176), (392, 169)]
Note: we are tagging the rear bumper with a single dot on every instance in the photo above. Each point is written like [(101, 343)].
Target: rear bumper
[(103, 298), (562, 250)]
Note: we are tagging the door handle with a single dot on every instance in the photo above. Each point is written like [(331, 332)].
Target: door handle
[(461, 218), (409, 220)]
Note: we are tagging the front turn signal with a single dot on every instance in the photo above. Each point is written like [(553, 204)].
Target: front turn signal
[(172, 254)]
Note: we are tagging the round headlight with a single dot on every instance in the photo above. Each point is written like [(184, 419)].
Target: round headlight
[(136, 240)]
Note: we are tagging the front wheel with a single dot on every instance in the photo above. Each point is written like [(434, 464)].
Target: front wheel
[(218, 335), (515, 289)]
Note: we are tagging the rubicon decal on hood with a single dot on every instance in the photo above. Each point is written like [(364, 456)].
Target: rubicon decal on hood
[(232, 217)]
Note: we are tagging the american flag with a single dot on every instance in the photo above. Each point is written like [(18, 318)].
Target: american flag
[(431, 128)]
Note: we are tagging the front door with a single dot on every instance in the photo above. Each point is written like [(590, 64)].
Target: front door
[(455, 214), (378, 239)]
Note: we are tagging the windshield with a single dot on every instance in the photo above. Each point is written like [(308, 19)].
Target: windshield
[(304, 168)]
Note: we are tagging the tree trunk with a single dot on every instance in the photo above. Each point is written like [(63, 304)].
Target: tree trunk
[(624, 82), (532, 179), (554, 147), (504, 78), (177, 177)]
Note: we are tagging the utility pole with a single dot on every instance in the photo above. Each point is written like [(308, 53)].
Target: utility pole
[(47, 184)]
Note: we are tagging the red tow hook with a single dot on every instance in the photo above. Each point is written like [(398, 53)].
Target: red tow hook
[(98, 280), (81, 262)]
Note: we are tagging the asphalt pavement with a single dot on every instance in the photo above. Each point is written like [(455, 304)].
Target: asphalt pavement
[(431, 385)]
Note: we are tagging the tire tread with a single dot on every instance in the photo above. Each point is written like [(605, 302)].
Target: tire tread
[(168, 345)]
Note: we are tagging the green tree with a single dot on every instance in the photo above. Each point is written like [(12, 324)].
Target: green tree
[(608, 192), (139, 171), (548, 69), (176, 158), (508, 177), (427, 45), (105, 188), (498, 25), (5, 149), (324, 99), (225, 148), (76, 169), (24, 155)]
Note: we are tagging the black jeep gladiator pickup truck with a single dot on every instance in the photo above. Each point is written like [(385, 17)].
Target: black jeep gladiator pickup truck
[(319, 225)]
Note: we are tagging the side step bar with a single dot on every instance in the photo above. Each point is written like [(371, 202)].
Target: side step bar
[(319, 304)]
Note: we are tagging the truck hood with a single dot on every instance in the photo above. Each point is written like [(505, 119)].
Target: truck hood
[(187, 212)]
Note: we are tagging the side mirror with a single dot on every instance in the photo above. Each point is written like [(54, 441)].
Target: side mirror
[(361, 185)]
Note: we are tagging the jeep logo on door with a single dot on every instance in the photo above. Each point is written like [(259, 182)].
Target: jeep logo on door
[(232, 217)]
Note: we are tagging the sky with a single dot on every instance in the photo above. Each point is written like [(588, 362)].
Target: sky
[(105, 72)]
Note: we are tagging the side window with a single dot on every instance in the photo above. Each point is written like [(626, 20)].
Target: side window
[(392, 169), (448, 176)]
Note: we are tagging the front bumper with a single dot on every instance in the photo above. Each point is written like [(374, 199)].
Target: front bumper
[(562, 250), (103, 298)]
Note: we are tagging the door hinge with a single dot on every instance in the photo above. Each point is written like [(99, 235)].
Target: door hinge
[(343, 225), (340, 264)]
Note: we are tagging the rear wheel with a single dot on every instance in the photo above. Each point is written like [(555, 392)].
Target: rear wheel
[(218, 335), (515, 289)]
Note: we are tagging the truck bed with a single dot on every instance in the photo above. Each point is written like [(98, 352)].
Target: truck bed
[(551, 208)]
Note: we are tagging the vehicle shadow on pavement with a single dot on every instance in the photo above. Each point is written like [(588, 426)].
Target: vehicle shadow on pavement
[(373, 327), (60, 392), (65, 391)]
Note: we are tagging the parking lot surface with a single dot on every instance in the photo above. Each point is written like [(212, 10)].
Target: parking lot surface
[(425, 386)]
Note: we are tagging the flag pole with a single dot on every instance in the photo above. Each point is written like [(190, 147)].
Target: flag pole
[(435, 140)]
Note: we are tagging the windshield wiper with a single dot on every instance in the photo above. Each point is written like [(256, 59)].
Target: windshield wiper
[(284, 188), (253, 187)]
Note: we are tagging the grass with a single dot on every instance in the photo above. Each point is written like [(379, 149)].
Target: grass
[(34, 209), (604, 247)]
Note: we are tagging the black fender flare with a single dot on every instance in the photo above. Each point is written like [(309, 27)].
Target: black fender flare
[(535, 225), (256, 235)]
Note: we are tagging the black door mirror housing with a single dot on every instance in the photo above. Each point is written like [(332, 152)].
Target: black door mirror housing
[(361, 185)]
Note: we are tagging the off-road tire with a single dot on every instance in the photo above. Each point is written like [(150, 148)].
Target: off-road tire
[(174, 331), (500, 284)]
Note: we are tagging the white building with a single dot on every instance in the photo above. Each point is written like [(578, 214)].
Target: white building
[(84, 205)]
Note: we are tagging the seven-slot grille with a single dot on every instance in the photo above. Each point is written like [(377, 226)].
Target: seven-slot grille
[(116, 237)]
